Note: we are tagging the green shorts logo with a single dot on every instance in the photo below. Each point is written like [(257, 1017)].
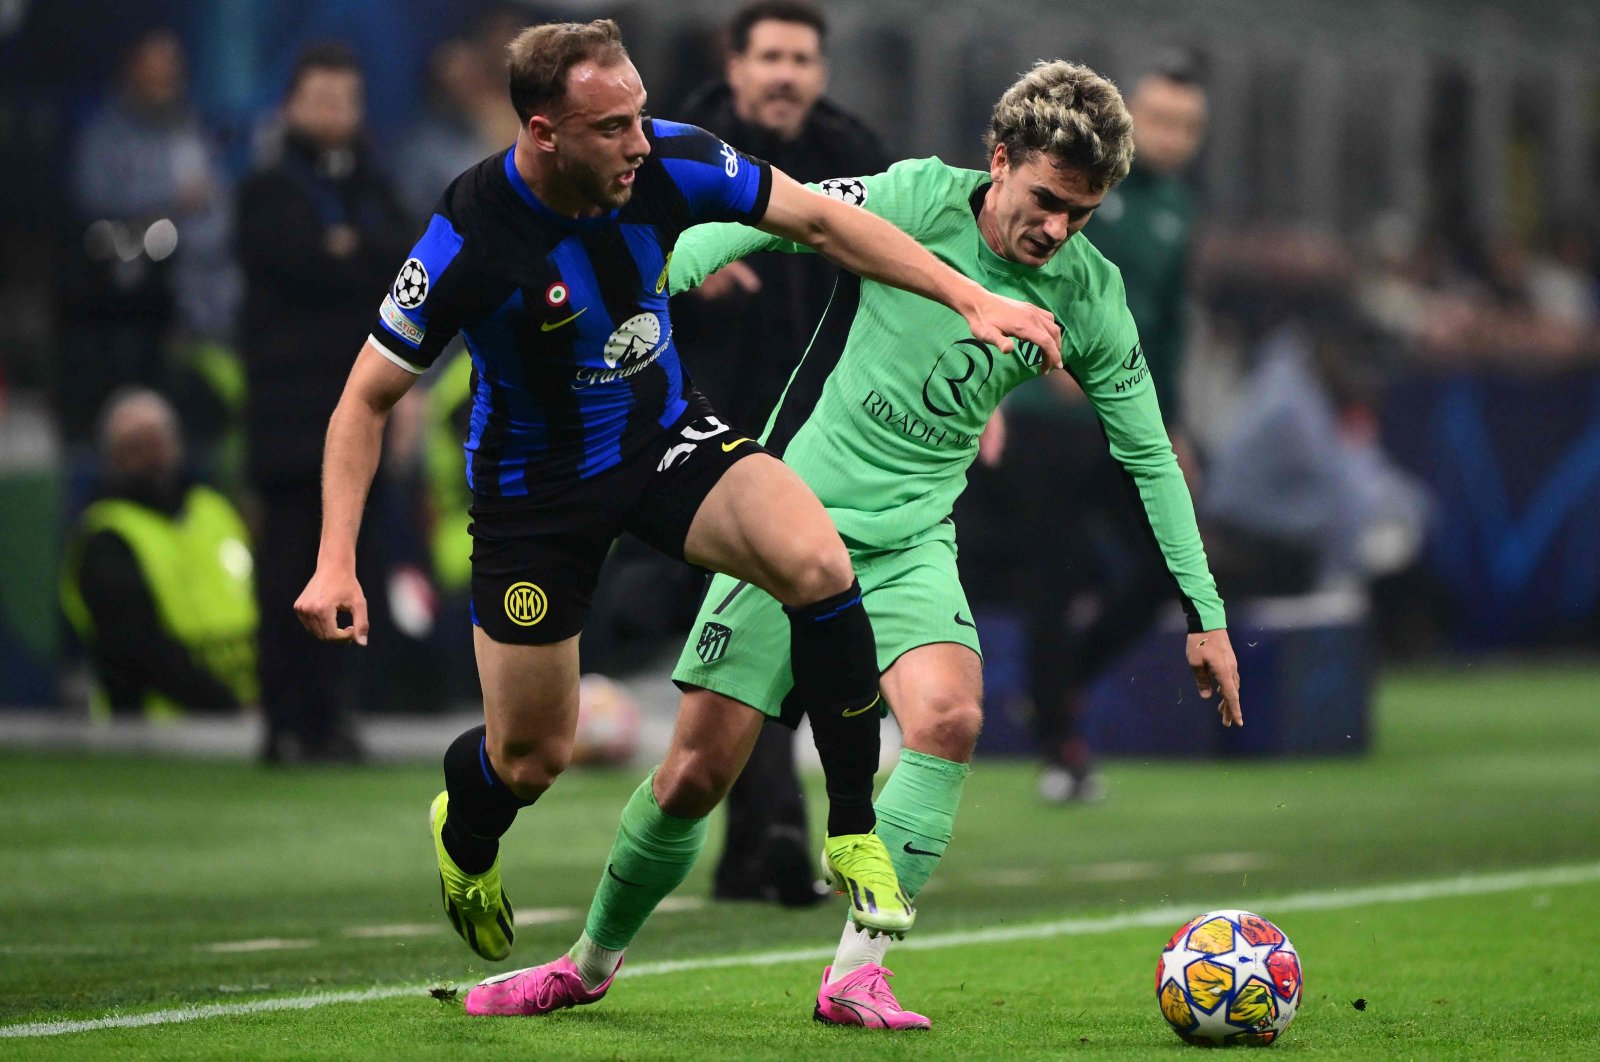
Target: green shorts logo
[(713, 643)]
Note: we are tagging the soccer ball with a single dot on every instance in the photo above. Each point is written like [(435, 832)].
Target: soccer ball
[(411, 286), (608, 724), (1229, 977)]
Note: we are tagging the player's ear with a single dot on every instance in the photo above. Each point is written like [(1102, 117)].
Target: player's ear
[(541, 132), (999, 163)]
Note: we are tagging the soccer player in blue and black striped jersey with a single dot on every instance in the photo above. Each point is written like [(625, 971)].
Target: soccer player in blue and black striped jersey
[(550, 258)]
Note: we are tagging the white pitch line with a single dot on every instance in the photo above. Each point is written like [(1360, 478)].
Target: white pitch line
[(229, 947), (1163, 916)]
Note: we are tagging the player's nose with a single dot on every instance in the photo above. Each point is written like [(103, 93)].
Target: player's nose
[(638, 145)]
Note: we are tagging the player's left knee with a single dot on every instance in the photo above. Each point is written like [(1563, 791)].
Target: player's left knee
[(816, 571), (947, 728), (690, 787)]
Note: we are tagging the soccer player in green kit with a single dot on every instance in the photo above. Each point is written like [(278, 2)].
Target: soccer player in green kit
[(881, 419)]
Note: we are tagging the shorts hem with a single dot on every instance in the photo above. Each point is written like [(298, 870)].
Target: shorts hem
[(707, 682)]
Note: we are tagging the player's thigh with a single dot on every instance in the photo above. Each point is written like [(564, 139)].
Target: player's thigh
[(738, 647), (761, 523), (530, 598), (711, 741), (530, 697), (715, 498), (928, 646)]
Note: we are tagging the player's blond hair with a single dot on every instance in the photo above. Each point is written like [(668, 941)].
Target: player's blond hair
[(1071, 113), (539, 57)]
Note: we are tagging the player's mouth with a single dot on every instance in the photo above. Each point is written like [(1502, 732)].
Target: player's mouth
[(625, 178), (1037, 247)]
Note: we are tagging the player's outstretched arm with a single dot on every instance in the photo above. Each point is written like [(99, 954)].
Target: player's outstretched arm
[(1210, 656), (349, 461), (865, 244)]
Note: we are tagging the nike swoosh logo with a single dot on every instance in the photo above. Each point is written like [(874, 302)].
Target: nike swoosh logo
[(918, 851), (546, 326), (965, 623), (856, 1007), (618, 877), (661, 281), (730, 445), (863, 708)]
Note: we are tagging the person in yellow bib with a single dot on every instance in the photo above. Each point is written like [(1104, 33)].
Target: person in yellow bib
[(157, 576)]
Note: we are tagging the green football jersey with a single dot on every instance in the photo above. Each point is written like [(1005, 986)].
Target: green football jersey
[(882, 416)]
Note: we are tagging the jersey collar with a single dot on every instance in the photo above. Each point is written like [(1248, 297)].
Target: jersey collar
[(525, 193)]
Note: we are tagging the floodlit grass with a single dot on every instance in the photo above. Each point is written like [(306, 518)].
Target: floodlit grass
[(135, 885)]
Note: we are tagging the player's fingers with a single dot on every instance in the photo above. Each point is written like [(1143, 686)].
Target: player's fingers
[(987, 333), (1232, 714), (358, 621), (1050, 344), (1202, 678)]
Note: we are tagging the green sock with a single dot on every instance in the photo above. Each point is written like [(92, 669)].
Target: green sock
[(917, 814), (652, 855)]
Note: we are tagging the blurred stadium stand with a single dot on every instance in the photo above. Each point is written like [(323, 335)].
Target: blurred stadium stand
[(1424, 175)]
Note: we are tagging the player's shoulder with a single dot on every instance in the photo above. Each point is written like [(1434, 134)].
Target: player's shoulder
[(680, 140), (1081, 264), (932, 176)]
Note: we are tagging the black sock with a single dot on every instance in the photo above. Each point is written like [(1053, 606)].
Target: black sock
[(835, 663), (482, 807)]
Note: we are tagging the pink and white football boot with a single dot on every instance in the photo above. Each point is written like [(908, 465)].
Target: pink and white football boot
[(536, 990), (863, 998)]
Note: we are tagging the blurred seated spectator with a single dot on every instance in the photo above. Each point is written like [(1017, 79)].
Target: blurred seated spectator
[(152, 255), (157, 579), (448, 138), (1300, 495)]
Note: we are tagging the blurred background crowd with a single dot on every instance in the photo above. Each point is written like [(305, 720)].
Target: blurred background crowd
[(1360, 241)]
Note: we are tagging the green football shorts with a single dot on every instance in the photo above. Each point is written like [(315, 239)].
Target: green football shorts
[(739, 644)]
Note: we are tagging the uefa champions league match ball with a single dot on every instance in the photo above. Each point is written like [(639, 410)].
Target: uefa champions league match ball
[(1229, 977)]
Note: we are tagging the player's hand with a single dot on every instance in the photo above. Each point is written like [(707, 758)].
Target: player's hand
[(1211, 658), (735, 278), (995, 319), (327, 594)]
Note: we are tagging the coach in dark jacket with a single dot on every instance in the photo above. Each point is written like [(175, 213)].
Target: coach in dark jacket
[(741, 340), (321, 234), (742, 346)]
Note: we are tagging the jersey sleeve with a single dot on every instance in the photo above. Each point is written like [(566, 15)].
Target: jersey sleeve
[(705, 249), (718, 182), (1112, 371), (423, 309)]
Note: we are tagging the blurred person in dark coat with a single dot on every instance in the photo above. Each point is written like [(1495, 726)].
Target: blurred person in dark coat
[(742, 335), (151, 255), (319, 231), (156, 578)]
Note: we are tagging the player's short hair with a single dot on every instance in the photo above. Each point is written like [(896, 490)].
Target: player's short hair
[(773, 11), (1071, 113), (322, 55), (539, 57)]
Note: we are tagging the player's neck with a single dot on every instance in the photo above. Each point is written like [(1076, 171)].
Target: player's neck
[(537, 169), (989, 223)]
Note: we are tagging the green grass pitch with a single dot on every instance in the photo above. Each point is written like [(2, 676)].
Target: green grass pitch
[(1450, 881)]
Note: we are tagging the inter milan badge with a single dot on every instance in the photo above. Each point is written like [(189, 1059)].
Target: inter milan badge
[(713, 643), (411, 286)]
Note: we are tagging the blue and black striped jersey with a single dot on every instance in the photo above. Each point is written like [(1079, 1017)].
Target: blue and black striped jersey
[(565, 318)]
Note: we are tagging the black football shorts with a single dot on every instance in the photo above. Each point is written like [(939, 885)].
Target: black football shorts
[(534, 568)]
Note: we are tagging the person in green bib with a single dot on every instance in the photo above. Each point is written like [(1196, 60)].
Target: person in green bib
[(881, 419), (157, 577)]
